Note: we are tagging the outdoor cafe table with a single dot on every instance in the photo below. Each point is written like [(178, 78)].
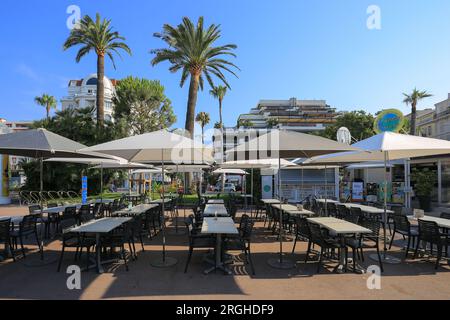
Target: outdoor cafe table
[(136, 210), (340, 228), (166, 200), (215, 209), (366, 209), (218, 227), (441, 222), (293, 210), (215, 201), (270, 201), (99, 227)]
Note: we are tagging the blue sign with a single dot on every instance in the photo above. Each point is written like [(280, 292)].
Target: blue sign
[(84, 189), (389, 121)]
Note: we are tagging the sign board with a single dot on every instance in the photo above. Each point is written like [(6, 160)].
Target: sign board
[(266, 185), (390, 120), (358, 191), (84, 189)]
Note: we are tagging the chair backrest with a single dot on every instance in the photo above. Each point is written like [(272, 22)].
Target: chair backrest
[(372, 224), (68, 220), (99, 210), (331, 209), (401, 223), (353, 215), (247, 230), (429, 231), (302, 227), (28, 223), (52, 205), (34, 208), (5, 229), (85, 213), (316, 235), (445, 215), (341, 211)]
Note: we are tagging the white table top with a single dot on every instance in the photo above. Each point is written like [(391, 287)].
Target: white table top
[(219, 226), (367, 209), (338, 226), (216, 201), (442, 223), (328, 200), (103, 225), (14, 219), (59, 208), (215, 208), (137, 209), (270, 201)]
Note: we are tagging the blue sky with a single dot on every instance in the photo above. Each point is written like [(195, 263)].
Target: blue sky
[(289, 48)]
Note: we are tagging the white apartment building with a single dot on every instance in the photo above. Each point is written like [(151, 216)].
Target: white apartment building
[(82, 94)]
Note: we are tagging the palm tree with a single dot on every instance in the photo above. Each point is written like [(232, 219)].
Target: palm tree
[(46, 101), (191, 50), (98, 36), (203, 120), (219, 93), (413, 99)]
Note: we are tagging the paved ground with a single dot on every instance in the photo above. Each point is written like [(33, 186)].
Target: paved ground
[(410, 280)]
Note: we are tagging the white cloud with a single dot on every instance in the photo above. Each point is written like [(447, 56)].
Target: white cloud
[(28, 72)]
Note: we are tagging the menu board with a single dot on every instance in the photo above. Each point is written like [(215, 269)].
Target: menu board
[(358, 191)]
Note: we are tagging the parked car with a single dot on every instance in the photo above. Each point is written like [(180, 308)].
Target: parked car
[(229, 187)]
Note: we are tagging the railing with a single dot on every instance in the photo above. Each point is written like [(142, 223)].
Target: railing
[(38, 197)]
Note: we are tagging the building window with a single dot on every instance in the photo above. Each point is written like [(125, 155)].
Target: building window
[(91, 82)]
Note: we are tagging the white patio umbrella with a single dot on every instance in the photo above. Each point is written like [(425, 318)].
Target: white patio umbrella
[(158, 147), (42, 144), (279, 144), (384, 147)]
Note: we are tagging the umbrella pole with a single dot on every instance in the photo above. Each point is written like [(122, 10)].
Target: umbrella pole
[(165, 261), (41, 189), (280, 263), (251, 187), (326, 192), (385, 258), (101, 182)]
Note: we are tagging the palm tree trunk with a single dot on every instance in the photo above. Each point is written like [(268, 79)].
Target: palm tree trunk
[(203, 134), (47, 108), (100, 90), (220, 113), (412, 130), (192, 102)]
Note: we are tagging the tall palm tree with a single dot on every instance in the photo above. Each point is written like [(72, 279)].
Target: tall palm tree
[(46, 101), (219, 93), (203, 120), (413, 99), (98, 36), (190, 49)]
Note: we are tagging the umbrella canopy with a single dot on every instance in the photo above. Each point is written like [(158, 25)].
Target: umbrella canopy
[(145, 171), (229, 171), (256, 164), (288, 144), (41, 143), (392, 146), (89, 161), (156, 147), (187, 168), (124, 166)]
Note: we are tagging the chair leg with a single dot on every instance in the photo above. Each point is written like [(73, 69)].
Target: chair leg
[(21, 245), (439, 255), (142, 242), (320, 260), (379, 258), (307, 251), (88, 256), (354, 259), (392, 240), (295, 243), (188, 260), (417, 248), (61, 258), (250, 260), (407, 247)]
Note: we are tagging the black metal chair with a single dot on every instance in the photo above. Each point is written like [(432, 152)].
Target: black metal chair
[(429, 233), (320, 238), (366, 241), (341, 211), (27, 227), (137, 232), (85, 214), (331, 209), (301, 231), (98, 210), (197, 240), (242, 242), (353, 215), (68, 220), (5, 238), (403, 227), (118, 239)]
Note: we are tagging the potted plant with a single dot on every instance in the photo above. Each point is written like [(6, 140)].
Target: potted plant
[(425, 180)]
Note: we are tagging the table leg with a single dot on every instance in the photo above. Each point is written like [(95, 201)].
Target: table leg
[(218, 264), (341, 267), (98, 253)]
